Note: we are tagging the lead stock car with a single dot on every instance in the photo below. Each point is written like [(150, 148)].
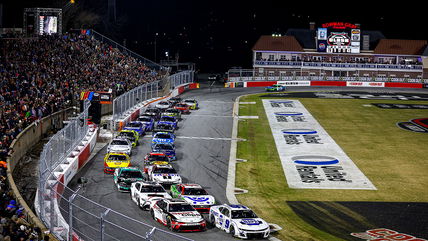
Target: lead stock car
[(144, 193), (177, 215), (239, 221)]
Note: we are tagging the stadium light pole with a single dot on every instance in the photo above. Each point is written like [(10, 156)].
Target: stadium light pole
[(156, 34)]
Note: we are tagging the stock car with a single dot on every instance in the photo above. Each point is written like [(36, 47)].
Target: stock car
[(172, 112), (122, 145), (131, 135), (193, 104), (115, 160), (144, 193), (167, 148), (147, 121), (125, 176), (239, 221), (183, 108), (150, 164), (177, 215), (163, 105), (164, 127), (195, 195), (163, 137), (136, 126), (163, 174), (168, 120), (275, 87), (153, 112), (155, 156), (174, 100)]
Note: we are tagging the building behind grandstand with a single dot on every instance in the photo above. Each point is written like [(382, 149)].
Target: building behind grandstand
[(336, 50)]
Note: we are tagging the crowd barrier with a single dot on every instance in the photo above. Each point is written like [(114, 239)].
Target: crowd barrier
[(22, 144)]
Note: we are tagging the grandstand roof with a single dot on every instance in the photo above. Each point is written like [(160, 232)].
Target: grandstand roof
[(401, 47), (283, 43), (305, 37)]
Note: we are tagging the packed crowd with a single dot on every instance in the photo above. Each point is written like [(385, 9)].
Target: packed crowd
[(13, 225), (39, 76)]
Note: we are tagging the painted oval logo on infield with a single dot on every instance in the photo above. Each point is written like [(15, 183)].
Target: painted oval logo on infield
[(299, 131), (315, 160), (288, 113)]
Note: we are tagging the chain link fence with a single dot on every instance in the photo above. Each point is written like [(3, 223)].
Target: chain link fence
[(68, 214), (148, 91)]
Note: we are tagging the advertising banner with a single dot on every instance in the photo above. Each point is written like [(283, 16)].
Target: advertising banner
[(364, 84), (294, 83), (311, 159)]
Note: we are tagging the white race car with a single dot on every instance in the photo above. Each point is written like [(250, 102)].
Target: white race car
[(163, 105), (195, 195), (163, 174), (177, 215), (120, 145), (239, 221), (144, 193)]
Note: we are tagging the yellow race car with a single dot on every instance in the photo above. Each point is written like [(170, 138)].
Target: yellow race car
[(115, 160), (131, 135)]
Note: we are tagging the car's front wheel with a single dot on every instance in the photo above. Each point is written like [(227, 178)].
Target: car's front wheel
[(232, 231)]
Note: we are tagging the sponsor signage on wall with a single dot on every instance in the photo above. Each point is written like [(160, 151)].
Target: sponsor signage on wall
[(294, 83), (364, 84), (311, 159)]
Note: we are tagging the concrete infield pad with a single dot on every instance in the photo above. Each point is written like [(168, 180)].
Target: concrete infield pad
[(311, 159)]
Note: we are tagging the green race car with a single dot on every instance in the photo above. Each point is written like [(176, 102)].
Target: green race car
[(275, 87), (131, 135), (125, 176)]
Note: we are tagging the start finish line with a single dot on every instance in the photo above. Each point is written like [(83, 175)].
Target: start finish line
[(309, 156)]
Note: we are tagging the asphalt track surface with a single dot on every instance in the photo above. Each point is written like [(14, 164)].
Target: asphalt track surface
[(203, 146)]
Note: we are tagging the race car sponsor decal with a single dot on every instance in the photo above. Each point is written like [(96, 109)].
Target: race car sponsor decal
[(384, 234), (197, 199), (310, 158), (183, 214), (249, 221)]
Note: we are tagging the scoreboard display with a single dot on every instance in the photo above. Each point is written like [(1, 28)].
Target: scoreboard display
[(338, 37)]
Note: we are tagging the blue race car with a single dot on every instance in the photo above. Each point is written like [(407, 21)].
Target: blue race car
[(167, 148), (136, 126), (147, 121), (275, 87), (168, 120), (163, 137)]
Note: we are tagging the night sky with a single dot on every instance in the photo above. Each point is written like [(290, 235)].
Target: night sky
[(217, 35)]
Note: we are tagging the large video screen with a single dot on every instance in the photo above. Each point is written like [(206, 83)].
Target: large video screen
[(48, 25), (338, 37)]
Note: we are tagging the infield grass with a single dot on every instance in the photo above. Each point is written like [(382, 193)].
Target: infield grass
[(394, 160)]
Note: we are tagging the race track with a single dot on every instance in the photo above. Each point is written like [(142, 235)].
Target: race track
[(203, 146)]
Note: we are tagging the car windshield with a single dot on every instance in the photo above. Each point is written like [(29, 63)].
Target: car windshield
[(158, 158), (152, 189), (180, 207), (165, 127), (173, 111), (117, 158), (127, 135), (163, 103), (151, 110), (145, 119), (164, 147), (195, 191), (243, 214), (165, 170), (181, 105), (190, 101), (133, 124), (119, 142), (162, 135), (131, 174), (167, 118)]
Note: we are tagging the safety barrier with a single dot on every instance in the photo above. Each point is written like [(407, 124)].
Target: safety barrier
[(20, 146)]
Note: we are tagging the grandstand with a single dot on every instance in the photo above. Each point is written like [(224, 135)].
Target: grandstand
[(44, 74), (337, 50)]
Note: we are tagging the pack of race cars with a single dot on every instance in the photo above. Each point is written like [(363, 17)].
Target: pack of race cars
[(180, 207)]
